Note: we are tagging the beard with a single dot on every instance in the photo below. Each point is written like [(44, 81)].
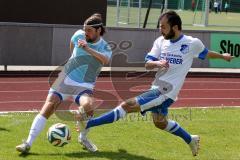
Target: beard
[(91, 40), (170, 35)]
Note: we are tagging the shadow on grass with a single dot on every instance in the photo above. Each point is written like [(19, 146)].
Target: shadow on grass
[(121, 154), (28, 154), (4, 129)]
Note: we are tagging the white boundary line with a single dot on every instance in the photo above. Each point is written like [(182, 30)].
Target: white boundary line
[(210, 107), (173, 108), (120, 69), (97, 100)]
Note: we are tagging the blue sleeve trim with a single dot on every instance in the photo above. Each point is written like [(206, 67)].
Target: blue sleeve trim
[(148, 57), (203, 54)]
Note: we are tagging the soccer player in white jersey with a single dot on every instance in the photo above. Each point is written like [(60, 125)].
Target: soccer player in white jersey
[(77, 79), (172, 54)]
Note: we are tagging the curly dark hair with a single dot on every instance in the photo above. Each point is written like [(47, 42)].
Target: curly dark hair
[(95, 21)]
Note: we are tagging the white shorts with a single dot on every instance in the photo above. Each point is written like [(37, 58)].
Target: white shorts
[(65, 88)]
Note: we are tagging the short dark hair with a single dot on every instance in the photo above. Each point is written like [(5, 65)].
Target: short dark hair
[(173, 19), (95, 21)]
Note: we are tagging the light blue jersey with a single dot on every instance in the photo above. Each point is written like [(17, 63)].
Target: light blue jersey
[(82, 67)]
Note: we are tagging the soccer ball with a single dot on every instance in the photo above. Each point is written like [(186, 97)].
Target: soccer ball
[(59, 134)]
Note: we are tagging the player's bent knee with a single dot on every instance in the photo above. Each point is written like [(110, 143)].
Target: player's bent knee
[(130, 102), (160, 122), (160, 125), (88, 107), (129, 105), (86, 101)]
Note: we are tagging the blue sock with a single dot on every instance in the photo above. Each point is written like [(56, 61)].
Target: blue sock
[(106, 118), (174, 128)]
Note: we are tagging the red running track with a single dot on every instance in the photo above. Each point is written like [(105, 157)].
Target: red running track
[(29, 93)]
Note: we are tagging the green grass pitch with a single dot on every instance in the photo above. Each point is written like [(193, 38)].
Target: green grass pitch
[(131, 138)]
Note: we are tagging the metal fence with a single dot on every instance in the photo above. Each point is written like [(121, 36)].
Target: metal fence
[(132, 13)]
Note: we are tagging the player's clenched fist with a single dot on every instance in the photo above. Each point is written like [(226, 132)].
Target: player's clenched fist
[(82, 43)]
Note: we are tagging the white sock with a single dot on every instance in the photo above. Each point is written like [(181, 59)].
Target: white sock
[(37, 126), (83, 133), (122, 112)]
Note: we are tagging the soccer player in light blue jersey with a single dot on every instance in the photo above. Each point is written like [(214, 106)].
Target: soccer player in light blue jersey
[(77, 79), (172, 53)]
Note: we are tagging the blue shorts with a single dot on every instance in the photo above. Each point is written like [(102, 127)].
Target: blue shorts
[(154, 101)]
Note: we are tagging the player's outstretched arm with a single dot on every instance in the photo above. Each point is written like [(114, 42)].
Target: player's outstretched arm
[(224, 56), (149, 65)]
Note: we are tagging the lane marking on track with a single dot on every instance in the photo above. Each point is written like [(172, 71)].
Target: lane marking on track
[(123, 90), (23, 91), (22, 101), (122, 81)]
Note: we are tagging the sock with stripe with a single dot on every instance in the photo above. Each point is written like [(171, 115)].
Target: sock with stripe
[(108, 117), (174, 128)]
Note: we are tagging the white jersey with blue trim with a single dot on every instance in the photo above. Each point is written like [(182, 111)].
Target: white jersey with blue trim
[(82, 67), (179, 54)]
